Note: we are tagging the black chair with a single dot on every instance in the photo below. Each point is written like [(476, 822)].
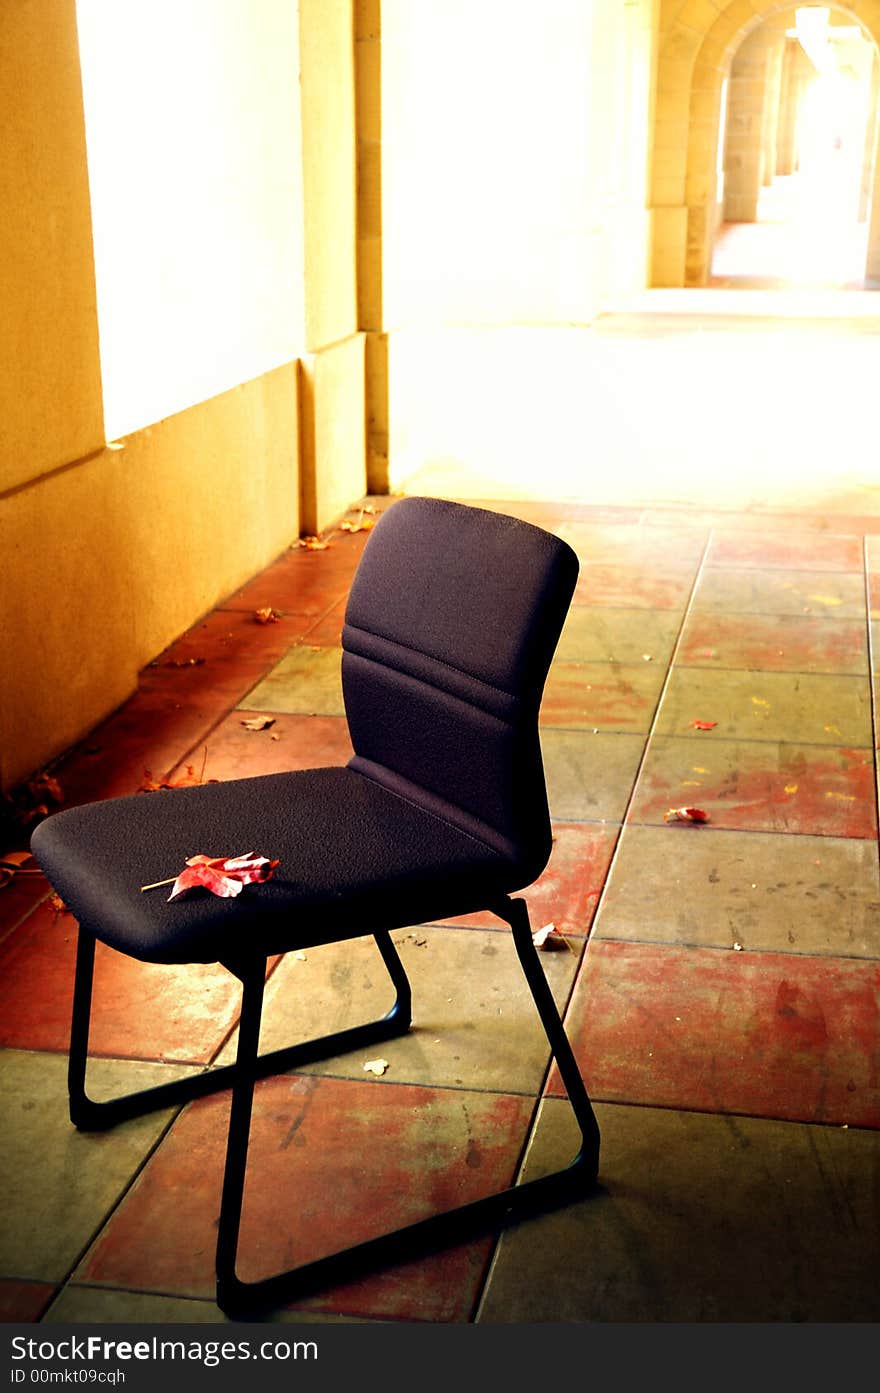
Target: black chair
[(450, 628)]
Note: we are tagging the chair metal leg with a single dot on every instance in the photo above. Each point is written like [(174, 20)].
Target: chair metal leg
[(88, 1114), (239, 1298), (516, 913)]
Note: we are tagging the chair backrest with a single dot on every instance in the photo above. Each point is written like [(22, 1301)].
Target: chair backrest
[(451, 624)]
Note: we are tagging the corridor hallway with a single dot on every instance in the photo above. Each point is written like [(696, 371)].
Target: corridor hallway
[(720, 982), (801, 236)]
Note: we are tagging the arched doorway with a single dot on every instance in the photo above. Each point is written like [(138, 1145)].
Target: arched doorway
[(796, 155), (692, 85)]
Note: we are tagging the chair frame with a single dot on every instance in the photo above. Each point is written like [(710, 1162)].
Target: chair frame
[(239, 1298)]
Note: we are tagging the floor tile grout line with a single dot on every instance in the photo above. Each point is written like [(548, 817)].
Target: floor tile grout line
[(649, 735), (768, 671), (106, 1218), (730, 739), (10, 928), (872, 690), (709, 667), (238, 703), (565, 1005), (767, 832), (807, 617), (743, 955), (723, 613), (679, 568)]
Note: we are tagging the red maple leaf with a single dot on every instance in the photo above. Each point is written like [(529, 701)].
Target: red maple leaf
[(686, 815), (222, 875)]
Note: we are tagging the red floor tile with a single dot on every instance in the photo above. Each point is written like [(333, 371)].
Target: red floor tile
[(568, 891), (169, 722), (858, 523), (774, 643), (146, 738), (552, 515), (140, 1010), (23, 1302), (788, 550), (328, 631), (764, 1034), (769, 520), (332, 1161), (761, 786), (299, 575), (301, 584), (19, 897), (623, 545), (221, 657), (292, 742), (602, 696), (634, 587)]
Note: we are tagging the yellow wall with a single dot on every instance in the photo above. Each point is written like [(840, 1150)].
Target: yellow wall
[(329, 177), (332, 378), (50, 380), (333, 435), (109, 560), (106, 554)]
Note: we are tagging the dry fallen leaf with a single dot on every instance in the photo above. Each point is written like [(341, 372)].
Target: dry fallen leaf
[(58, 904), (258, 722), (189, 779), (313, 544), (267, 615), (45, 786), (376, 1066), (540, 936), (28, 803), (703, 725), (549, 939), (222, 875), (685, 815), (363, 523)]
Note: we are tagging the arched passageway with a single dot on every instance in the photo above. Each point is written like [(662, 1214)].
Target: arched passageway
[(767, 119), (795, 155)]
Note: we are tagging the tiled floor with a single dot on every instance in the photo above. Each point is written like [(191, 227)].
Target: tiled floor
[(721, 983)]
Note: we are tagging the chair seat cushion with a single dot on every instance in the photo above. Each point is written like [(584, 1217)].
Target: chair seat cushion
[(353, 857)]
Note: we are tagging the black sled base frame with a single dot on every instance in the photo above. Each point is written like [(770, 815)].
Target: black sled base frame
[(238, 1298)]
